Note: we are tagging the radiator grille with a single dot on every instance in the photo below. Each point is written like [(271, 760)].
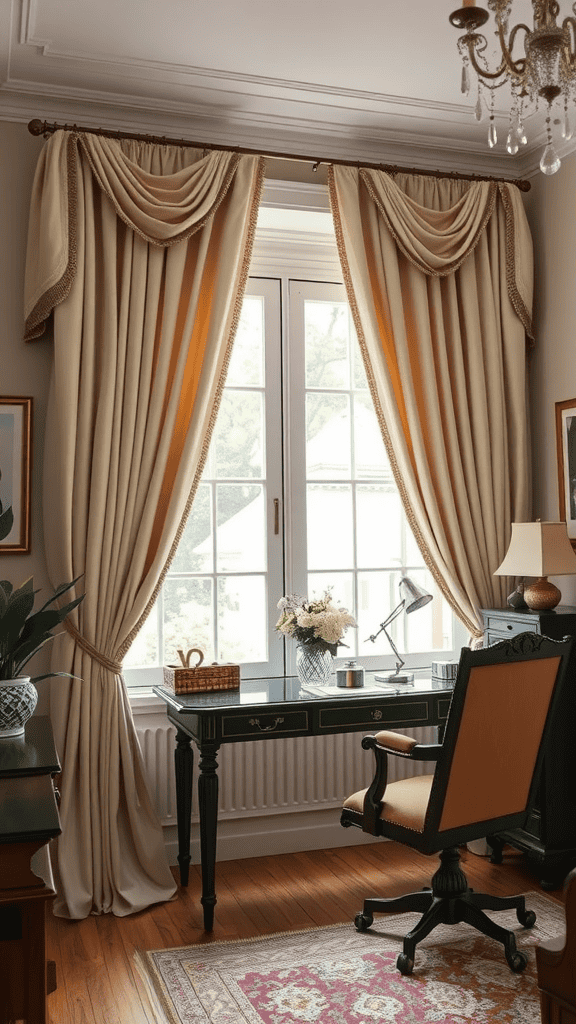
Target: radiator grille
[(272, 777)]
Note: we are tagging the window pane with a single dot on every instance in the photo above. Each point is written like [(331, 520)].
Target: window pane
[(328, 441), (413, 554), (379, 519), (239, 435), (247, 360), (242, 619), (241, 528), (188, 617), (330, 530), (370, 458), (195, 551), (377, 597), (326, 326)]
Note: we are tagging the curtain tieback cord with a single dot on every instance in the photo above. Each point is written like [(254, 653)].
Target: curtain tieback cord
[(90, 650)]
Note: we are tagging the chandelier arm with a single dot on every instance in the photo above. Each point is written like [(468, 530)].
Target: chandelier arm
[(469, 40), (568, 24), (517, 67)]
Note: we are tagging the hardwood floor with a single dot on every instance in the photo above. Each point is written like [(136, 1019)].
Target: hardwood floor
[(97, 981)]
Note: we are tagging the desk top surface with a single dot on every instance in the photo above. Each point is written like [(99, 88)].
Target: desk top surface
[(282, 690), (33, 753)]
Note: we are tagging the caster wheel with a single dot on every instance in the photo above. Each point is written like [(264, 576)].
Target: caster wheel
[(404, 964), (517, 962), (527, 919), (362, 922)]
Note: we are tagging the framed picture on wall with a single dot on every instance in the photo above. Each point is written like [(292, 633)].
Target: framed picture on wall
[(15, 466), (566, 454)]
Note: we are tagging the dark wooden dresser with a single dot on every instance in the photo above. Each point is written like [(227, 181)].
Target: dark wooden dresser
[(549, 838), (28, 820)]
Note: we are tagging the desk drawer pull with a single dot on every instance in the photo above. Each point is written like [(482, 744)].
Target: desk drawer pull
[(266, 728)]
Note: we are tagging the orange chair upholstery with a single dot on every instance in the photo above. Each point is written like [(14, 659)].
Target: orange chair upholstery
[(485, 782), (556, 966)]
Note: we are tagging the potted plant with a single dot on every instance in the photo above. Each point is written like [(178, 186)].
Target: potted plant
[(22, 633)]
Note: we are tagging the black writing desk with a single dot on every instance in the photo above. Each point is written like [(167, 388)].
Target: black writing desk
[(265, 709)]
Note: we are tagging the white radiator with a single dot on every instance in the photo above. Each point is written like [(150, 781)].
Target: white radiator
[(270, 777)]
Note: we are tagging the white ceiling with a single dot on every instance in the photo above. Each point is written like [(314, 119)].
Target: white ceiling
[(348, 79)]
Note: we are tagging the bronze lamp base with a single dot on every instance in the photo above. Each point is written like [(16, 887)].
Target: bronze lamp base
[(541, 595)]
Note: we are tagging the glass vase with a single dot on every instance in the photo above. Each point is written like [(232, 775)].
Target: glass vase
[(313, 663)]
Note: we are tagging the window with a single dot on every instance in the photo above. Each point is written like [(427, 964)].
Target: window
[(297, 496)]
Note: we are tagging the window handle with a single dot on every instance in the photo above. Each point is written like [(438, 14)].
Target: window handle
[(276, 516)]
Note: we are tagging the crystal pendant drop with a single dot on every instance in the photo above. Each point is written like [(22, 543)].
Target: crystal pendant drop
[(567, 130), (465, 81), (492, 137), (479, 109), (521, 134), (550, 162), (512, 142)]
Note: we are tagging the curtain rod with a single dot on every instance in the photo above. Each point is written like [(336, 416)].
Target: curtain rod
[(37, 127)]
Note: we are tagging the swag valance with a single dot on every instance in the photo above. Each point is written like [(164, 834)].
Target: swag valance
[(163, 193), (439, 238)]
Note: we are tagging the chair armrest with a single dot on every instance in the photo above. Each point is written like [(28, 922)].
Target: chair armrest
[(403, 746), (384, 743)]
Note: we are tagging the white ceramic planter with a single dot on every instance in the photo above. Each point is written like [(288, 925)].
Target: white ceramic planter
[(18, 699)]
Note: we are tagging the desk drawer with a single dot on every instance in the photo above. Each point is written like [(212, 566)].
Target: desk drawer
[(381, 715), (499, 628), (265, 723)]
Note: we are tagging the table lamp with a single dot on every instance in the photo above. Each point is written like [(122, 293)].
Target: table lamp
[(412, 597), (541, 550)]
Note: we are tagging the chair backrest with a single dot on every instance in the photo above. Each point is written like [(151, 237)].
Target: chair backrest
[(502, 705)]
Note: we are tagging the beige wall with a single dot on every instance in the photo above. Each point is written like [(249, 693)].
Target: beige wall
[(551, 208), (24, 368)]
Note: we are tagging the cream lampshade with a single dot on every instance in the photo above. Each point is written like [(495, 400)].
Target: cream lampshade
[(541, 550)]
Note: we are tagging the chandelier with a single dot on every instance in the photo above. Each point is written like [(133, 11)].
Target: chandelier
[(545, 73)]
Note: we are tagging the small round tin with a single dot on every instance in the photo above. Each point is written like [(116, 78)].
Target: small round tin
[(351, 675)]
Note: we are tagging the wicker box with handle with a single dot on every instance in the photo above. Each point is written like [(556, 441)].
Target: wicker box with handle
[(185, 678)]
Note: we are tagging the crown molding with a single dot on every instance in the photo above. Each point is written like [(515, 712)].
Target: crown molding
[(324, 139)]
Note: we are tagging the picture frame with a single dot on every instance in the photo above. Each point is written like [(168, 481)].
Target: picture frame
[(15, 470), (566, 456)]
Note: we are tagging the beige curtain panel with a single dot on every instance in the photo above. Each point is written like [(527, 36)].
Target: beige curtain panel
[(439, 274), (140, 254)]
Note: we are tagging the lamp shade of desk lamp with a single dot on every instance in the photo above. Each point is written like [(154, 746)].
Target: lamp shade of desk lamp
[(541, 550)]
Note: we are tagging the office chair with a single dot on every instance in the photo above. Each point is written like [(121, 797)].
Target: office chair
[(484, 782), (556, 966)]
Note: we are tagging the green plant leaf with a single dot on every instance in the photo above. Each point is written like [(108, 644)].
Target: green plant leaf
[(23, 652), (62, 590), (6, 587)]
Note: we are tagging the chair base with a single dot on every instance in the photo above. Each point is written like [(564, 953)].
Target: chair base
[(449, 901)]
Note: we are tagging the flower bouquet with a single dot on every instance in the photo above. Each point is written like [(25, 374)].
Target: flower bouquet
[(318, 628)]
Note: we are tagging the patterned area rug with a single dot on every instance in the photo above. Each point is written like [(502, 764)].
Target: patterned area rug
[(336, 975)]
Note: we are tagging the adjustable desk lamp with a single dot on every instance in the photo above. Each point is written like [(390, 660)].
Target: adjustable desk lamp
[(412, 597)]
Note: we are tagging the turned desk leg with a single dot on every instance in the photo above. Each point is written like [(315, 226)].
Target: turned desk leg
[(208, 808), (184, 764)]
